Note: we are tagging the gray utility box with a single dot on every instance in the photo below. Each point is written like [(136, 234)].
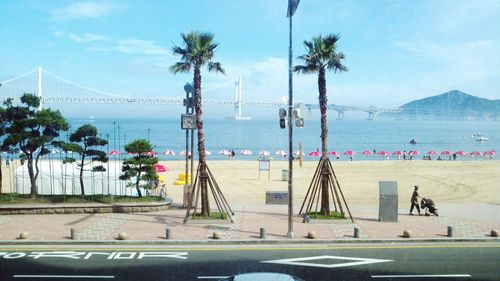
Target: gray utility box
[(388, 201), (284, 175), (277, 197)]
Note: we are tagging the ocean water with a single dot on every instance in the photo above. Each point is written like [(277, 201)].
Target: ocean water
[(260, 135)]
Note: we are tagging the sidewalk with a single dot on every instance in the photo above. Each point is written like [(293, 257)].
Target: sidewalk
[(475, 220)]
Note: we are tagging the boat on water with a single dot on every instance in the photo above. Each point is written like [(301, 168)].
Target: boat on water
[(479, 137)]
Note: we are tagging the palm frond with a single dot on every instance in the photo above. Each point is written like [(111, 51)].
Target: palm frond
[(306, 69), (335, 63), (198, 50), (180, 67), (179, 51), (216, 67)]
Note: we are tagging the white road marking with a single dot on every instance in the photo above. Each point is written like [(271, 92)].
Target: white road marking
[(66, 276), (213, 277), (423, 276), (306, 261)]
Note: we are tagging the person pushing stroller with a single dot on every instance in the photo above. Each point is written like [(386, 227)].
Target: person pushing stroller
[(414, 201)]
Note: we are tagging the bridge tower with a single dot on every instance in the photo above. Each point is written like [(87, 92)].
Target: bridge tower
[(40, 86), (371, 112), (340, 115), (237, 100)]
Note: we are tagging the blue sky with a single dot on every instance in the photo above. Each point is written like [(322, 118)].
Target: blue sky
[(396, 51)]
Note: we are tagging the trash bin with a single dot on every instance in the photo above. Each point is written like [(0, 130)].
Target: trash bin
[(284, 175)]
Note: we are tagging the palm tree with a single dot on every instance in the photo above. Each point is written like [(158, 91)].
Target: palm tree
[(198, 50), (321, 56)]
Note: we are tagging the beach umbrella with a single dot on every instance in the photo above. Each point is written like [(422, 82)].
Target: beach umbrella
[(315, 154), (462, 153), (476, 153), (432, 152), (297, 153), (281, 153), (334, 153), (366, 153), (207, 152), (246, 152), (169, 152), (224, 152), (183, 153), (414, 152), (350, 152), (490, 153), (151, 153), (114, 152), (159, 168), (264, 153), (397, 153), (446, 152), (383, 153)]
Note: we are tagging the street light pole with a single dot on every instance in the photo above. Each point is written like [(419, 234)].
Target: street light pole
[(292, 7), (188, 88)]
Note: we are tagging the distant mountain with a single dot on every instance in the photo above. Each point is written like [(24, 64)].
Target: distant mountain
[(455, 101)]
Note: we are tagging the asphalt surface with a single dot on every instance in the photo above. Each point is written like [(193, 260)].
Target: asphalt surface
[(423, 261)]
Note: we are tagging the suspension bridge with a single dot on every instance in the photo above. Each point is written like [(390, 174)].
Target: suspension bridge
[(52, 88)]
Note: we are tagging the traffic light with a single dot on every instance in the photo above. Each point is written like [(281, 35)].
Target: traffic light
[(282, 113), (299, 122), (282, 123)]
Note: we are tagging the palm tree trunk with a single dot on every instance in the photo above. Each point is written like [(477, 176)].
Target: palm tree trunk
[(325, 200), (205, 207)]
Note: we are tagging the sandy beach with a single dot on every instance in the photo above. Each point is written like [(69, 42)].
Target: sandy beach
[(443, 181)]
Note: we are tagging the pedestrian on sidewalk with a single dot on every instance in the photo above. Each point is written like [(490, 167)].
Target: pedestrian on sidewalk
[(414, 201)]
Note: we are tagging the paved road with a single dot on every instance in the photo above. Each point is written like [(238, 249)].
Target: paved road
[(461, 261)]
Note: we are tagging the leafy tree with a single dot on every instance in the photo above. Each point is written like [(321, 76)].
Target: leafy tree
[(198, 50), (30, 130), (141, 166), (83, 141), (321, 56)]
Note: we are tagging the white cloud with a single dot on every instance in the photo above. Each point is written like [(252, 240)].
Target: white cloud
[(87, 37), (59, 33), (468, 62), (138, 46), (83, 10)]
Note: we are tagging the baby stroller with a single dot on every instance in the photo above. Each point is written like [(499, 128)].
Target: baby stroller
[(428, 205)]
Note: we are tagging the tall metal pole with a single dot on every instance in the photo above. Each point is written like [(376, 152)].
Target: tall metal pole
[(290, 137), (185, 201), (191, 110)]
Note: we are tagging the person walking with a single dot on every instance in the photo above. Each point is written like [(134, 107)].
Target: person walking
[(414, 201)]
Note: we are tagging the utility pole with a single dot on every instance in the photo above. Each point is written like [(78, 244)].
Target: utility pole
[(292, 7)]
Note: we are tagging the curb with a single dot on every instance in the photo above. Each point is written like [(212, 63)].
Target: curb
[(246, 242)]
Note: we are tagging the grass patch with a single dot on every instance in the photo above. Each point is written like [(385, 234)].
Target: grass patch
[(334, 215), (14, 198), (213, 216)]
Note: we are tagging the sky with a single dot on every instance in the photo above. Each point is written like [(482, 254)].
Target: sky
[(396, 51)]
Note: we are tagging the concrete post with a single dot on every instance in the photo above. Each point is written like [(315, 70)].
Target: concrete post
[(450, 231), (356, 232), (262, 233), (73, 234), (168, 233)]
